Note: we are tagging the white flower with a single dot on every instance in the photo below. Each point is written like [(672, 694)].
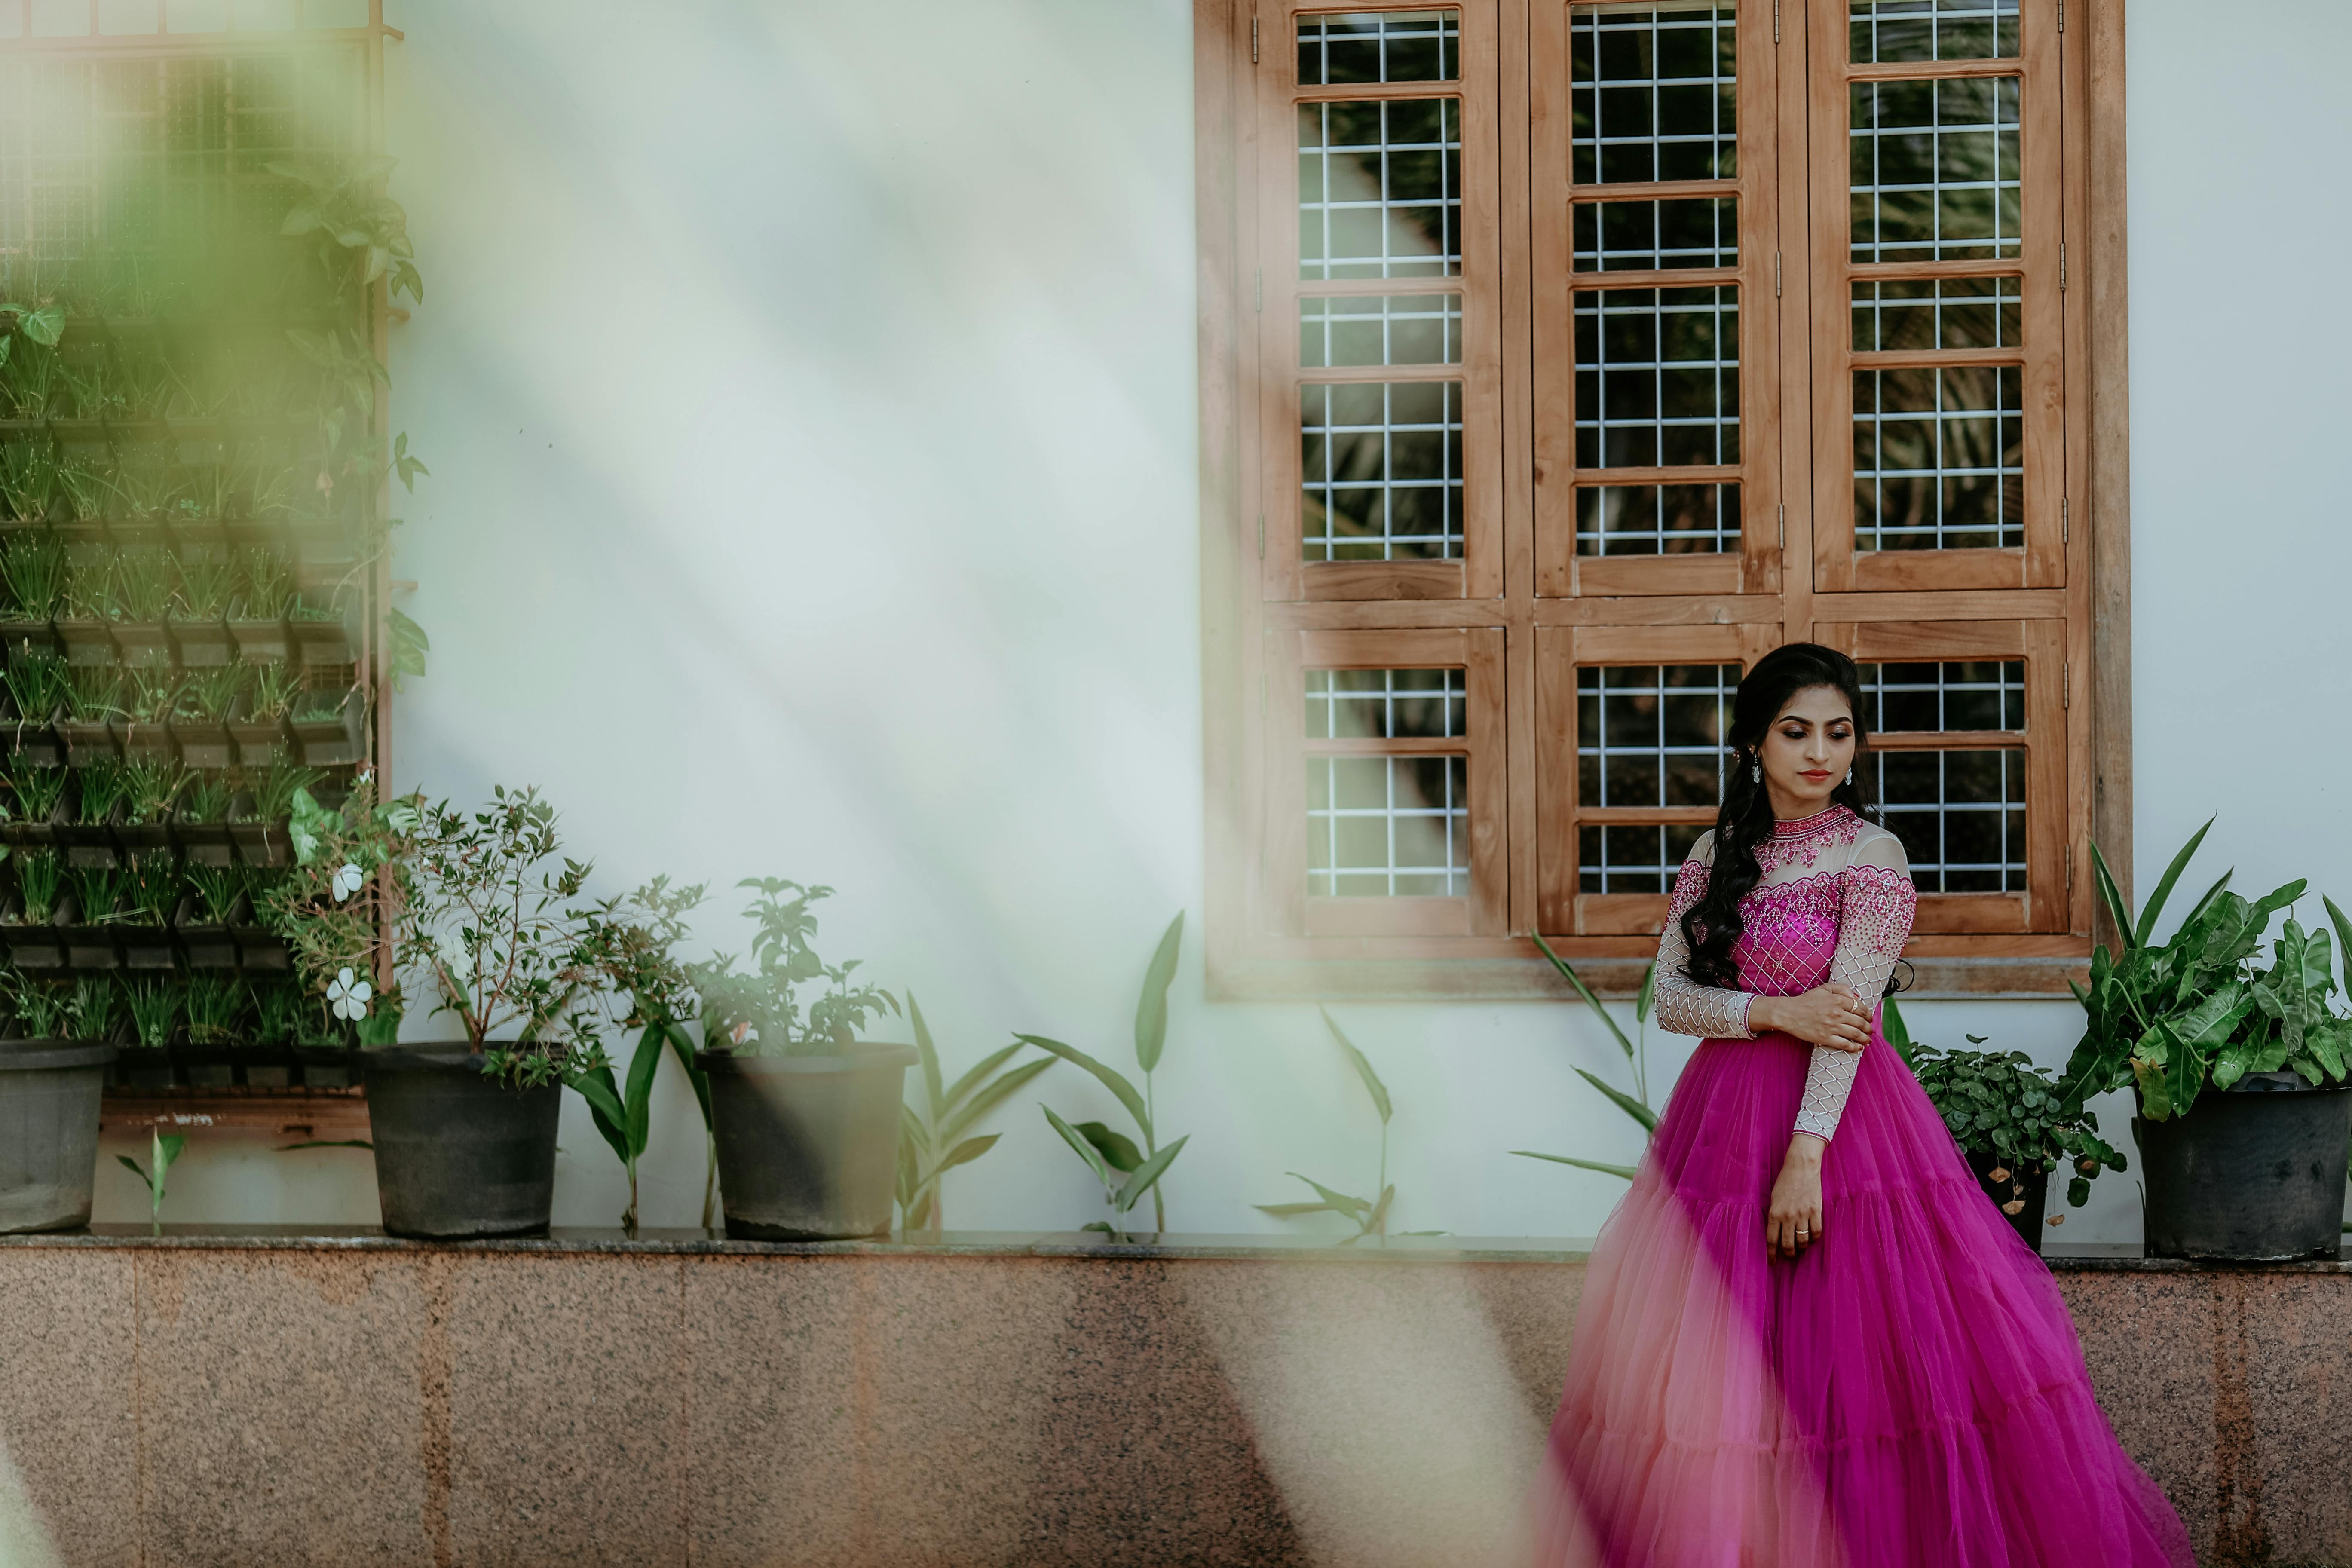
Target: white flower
[(453, 956), (347, 881), (350, 996)]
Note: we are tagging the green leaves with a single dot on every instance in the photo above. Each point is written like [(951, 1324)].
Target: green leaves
[(1109, 1078), (1899, 1033), (1624, 1172), (1624, 1101), (944, 1116), (161, 1150), (1648, 989), (1151, 1007), (1999, 1102), (1636, 1106), (1371, 1079), (409, 645)]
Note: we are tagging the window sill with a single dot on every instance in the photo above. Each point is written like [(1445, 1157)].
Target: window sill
[(1498, 976)]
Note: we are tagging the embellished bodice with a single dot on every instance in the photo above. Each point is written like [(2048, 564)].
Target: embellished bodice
[(1834, 903)]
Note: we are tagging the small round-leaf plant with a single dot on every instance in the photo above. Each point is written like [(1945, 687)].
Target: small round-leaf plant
[(1999, 1102)]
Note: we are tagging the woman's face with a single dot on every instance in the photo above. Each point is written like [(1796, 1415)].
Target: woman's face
[(1807, 752)]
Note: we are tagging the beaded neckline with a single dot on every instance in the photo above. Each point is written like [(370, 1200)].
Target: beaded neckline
[(1812, 827)]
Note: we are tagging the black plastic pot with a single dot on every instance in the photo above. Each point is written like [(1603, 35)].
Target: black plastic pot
[(2255, 1174), (458, 1154), (49, 1132), (808, 1146), (2026, 1221)]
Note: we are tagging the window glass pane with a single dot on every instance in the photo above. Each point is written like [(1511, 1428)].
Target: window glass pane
[(1397, 329), (1938, 313), (1651, 735), (1388, 826), (1938, 459), (1962, 695), (1657, 377), (1350, 704), (1643, 860), (1380, 189), (1644, 237), (1934, 169), (1380, 464), (1652, 94), (1380, 46), (1960, 814), (1884, 31), (1656, 520)]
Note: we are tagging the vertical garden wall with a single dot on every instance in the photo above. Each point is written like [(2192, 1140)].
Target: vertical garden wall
[(196, 260)]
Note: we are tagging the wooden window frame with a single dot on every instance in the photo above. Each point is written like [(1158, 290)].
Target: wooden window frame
[(1539, 610)]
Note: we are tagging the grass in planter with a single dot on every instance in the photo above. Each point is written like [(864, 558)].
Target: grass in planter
[(216, 1006), (145, 483), (37, 683), (259, 882), (38, 872), (94, 693), (150, 788), (153, 887), (28, 478), (317, 704), (143, 581), (276, 685), (33, 565), (86, 485), (146, 381), (90, 388), (90, 1008), (210, 493), (41, 1008), (265, 587), (212, 691), (38, 786), (206, 798), (273, 793), (154, 693), (89, 582), (32, 380), (268, 488), (101, 786), (206, 579), (97, 890), (218, 889), (279, 1010), (154, 1003)]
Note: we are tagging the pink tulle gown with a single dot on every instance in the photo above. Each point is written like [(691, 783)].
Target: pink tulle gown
[(1908, 1390)]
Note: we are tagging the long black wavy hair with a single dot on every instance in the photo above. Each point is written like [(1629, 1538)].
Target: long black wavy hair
[(1713, 924)]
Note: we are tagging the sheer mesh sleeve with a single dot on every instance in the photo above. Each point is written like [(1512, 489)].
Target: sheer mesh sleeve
[(1685, 1007), (1875, 903)]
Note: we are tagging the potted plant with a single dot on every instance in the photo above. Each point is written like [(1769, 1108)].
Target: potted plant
[(2012, 1124), (49, 1089), (464, 1133), (2238, 1073), (805, 1115)]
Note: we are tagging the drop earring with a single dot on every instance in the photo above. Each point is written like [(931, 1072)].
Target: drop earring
[(1755, 772), (1849, 775)]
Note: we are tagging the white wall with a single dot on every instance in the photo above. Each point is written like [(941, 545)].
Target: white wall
[(809, 392)]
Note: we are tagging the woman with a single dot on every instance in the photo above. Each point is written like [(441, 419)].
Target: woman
[(1806, 1337)]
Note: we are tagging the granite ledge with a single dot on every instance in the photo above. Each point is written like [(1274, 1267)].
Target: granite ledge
[(2097, 1256)]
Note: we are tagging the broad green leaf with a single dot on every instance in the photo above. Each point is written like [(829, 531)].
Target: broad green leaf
[(1586, 992), (1624, 1171), (2127, 932), (638, 1099), (1372, 1081), (2335, 918), (1649, 996), (935, 1095), (1111, 1080), (301, 220), (605, 1107), (409, 645), (1291, 1211), (1625, 1102), (2155, 1098), (1143, 1180), (136, 1169), (1379, 1216), (979, 1075), (683, 1048), (1341, 1203), (912, 1136), (167, 1149), (1151, 1007), (2155, 904), (1118, 1151), (964, 1154), (990, 1098), (1071, 1136)]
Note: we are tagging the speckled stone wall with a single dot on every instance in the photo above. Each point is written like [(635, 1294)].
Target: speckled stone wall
[(247, 1404)]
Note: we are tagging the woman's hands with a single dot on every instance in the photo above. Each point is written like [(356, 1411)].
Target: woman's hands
[(1793, 1220), (1833, 1015)]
